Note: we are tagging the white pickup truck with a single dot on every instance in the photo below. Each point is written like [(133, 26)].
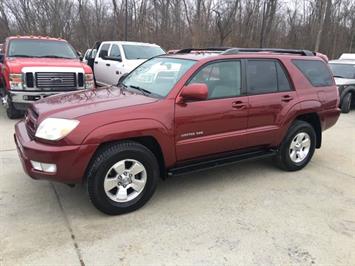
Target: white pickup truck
[(115, 58)]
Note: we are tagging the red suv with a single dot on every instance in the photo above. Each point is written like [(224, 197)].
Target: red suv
[(179, 113)]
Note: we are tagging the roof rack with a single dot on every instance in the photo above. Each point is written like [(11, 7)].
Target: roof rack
[(210, 49), (274, 50)]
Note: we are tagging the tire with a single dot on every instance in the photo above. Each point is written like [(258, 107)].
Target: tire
[(294, 152), (113, 167), (12, 112), (346, 103)]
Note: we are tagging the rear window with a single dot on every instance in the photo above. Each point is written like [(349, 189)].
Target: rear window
[(346, 71), (133, 52), (315, 71)]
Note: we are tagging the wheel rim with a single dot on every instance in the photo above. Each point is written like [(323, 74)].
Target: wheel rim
[(300, 147), (125, 180)]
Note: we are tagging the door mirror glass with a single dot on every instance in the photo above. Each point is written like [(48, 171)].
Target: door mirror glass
[(194, 92), (1, 58)]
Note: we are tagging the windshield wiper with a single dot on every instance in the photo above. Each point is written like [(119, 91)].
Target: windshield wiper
[(22, 55), (55, 56), (143, 91), (337, 76)]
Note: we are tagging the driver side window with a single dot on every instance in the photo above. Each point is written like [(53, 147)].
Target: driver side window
[(115, 51), (223, 79)]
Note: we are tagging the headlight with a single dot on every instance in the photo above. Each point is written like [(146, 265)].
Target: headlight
[(55, 128), (16, 81), (89, 81)]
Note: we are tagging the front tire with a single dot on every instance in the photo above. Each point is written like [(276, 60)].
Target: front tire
[(122, 177), (346, 103), (11, 111), (297, 147)]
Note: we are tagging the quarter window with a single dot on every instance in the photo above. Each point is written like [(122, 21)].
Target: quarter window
[(315, 71), (223, 79)]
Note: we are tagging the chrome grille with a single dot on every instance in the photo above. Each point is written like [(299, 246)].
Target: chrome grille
[(56, 80)]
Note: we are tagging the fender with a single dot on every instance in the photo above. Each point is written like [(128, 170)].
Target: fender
[(298, 109), (129, 129)]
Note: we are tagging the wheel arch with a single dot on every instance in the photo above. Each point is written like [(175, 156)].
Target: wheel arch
[(150, 142), (314, 120), (345, 91)]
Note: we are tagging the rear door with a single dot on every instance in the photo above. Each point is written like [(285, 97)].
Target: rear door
[(271, 95), (217, 124), (101, 65)]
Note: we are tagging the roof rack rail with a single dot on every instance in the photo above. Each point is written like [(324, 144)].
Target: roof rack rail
[(274, 50), (210, 49)]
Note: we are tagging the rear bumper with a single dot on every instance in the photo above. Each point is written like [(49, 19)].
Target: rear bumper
[(71, 161), (328, 118)]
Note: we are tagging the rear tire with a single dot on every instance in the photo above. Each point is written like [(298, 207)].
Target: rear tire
[(346, 103), (297, 147), (122, 177)]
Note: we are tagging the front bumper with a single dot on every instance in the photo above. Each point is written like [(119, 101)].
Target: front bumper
[(29, 96), (71, 161)]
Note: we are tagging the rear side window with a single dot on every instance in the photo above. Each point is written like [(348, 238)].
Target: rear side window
[(315, 71), (104, 50), (266, 76)]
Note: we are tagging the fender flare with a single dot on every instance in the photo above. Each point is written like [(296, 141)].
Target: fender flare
[(129, 129)]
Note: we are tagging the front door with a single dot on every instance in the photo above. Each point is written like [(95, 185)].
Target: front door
[(217, 124), (115, 69)]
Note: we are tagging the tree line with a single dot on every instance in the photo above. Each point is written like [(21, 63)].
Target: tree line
[(327, 26)]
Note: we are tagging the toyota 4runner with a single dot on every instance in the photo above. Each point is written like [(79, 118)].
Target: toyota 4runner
[(180, 113)]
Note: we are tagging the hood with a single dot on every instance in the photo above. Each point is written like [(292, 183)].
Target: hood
[(75, 104), (344, 81), (16, 64)]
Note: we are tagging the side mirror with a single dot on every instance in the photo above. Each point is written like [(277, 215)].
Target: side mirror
[(1, 58), (113, 58), (80, 55), (194, 92)]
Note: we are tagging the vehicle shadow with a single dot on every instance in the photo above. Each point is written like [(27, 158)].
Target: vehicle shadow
[(76, 202)]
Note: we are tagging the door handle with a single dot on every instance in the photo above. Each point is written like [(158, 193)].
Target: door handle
[(286, 98), (96, 62), (239, 105), (107, 64)]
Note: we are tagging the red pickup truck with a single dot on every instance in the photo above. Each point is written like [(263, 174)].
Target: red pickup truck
[(35, 67), (179, 113)]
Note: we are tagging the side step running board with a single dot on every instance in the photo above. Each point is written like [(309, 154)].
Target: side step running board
[(211, 163)]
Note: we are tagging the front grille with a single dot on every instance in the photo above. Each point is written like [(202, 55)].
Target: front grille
[(31, 122), (29, 80), (56, 80)]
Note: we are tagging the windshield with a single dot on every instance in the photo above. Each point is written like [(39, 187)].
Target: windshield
[(158, 75), (41, 48), (343, 70), (141, 51)]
